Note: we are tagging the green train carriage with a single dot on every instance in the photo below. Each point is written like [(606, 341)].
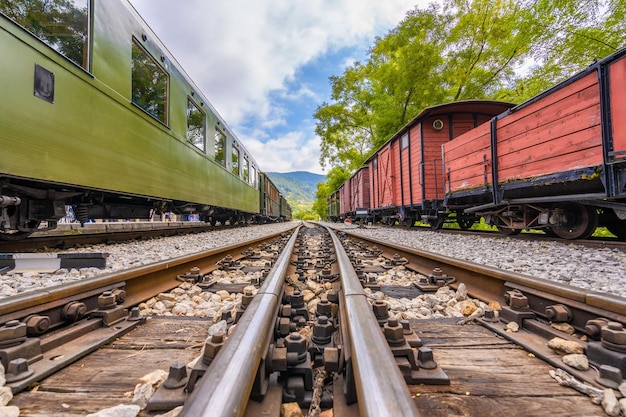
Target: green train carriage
[(99, 115)]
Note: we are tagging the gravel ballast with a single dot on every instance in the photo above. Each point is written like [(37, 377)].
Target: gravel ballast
[(129, 255), (598, 269)]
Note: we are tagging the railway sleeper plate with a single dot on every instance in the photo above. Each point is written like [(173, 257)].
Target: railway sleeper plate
[(58, 357)]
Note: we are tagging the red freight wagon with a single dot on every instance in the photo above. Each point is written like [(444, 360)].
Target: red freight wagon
[(344, 200), (406, 177), (556, 162), (354, 196), (270, 199)]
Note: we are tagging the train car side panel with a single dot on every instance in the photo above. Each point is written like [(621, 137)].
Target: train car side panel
[(108, 143), (384, 178), (344, 199), (405, 168), (359, 190), (468, 160), (396, 178), (415, 180), (436, 131), (560, 132), (617, 79)]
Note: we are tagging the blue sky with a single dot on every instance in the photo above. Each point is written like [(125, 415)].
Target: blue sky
[(264, 64)]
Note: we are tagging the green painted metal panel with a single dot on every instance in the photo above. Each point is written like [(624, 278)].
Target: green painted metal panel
[(92, 136)]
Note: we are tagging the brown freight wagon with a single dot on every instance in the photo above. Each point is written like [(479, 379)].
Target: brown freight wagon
[(406, 177), (354, 196), (556, 162), (270, 199)]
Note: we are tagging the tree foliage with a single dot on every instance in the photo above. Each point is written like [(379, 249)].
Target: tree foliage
[(62, 24), (461, 49)]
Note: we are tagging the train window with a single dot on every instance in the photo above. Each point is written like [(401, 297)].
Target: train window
[(195, 125), (405, 140), (375, 163), (149, 84), (62, 25), (253, 181), (220, 146), (245, 169), (235, 160)]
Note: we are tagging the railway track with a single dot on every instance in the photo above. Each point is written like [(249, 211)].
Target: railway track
[(72, 235), (320, 349)]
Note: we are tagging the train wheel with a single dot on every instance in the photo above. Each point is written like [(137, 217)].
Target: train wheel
[(465, 221), (436, 223), (409, 221), (580, 222)]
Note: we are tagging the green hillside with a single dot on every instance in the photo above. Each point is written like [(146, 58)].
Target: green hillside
[(299, 188)]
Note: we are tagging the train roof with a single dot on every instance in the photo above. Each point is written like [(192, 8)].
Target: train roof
[(493, 107)]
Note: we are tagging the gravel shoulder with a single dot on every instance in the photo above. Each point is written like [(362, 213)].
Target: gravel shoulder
[(598, 269)]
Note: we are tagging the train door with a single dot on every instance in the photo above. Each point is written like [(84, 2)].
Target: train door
[(385, 176)]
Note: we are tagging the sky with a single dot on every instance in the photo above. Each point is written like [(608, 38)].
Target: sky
[(264, 64)]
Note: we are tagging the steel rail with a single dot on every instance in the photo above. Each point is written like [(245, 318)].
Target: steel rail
[(225, 387), (380, 387), (141, 282), (489, 284)]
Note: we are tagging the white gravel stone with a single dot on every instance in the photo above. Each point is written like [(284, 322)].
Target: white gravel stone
[(130, 410), (134, 254)]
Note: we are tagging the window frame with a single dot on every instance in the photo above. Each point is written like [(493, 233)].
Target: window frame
[(235, 169), (166, 113), (204, 125), (220, 138)]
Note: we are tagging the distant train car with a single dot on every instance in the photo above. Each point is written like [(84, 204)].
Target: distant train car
[(405, 175), (97, 114), (334, 207), (354, 196), (270, 199), (556, 162), (285, 210)]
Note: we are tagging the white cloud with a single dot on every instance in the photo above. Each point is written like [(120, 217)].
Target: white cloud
[(291, 152), (241, 52)]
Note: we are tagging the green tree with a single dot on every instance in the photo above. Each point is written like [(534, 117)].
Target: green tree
[(335, 178), (59, 23), (465, 49)]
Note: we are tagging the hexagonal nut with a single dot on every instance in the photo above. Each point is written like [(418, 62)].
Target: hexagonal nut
[(213, 345), (12, 329), (393, 331), (381, 309), (36, 324), (614, 333), (107, 300), (518, 300), (323, 327), (285, 310), (73, 311), (295, 342), (324, 308)]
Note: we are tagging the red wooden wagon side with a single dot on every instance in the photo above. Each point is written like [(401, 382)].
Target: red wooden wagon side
[(406, 177), (556, 162)]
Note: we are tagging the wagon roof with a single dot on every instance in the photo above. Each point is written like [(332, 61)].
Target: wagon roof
[(491, 107)]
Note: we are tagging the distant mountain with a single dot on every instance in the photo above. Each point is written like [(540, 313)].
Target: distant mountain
[(298, 186)]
